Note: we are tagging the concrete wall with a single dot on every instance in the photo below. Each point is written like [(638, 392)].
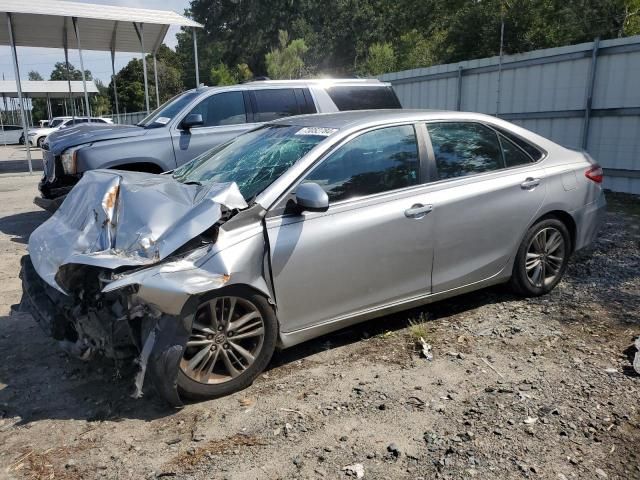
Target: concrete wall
[(581, 96)]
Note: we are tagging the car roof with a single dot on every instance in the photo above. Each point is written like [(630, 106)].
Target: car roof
[(321, 82), (346, 119)]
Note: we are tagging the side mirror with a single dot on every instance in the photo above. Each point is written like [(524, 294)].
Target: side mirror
[(192, 120), (312, 198)]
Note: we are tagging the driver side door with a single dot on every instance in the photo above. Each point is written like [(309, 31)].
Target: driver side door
[(372, 247)]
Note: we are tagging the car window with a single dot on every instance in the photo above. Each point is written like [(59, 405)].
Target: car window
[(274, 103), (363, 98), (377, 161), (464, 149), (513, 155), (532, 151), (226, 108)]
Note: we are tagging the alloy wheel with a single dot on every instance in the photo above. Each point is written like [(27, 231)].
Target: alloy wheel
[(226, 338), (545, 257)]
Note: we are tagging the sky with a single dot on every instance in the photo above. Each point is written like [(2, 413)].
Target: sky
[(43, 60)]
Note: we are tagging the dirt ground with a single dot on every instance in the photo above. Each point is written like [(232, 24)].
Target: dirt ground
[(518, 388)]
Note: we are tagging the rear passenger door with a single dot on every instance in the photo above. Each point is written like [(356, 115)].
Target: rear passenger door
[(487, 192), (224, 115)]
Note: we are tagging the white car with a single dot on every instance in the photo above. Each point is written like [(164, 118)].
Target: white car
[(37, 135)]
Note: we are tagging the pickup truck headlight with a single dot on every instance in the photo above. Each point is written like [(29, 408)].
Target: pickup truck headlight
[(68, 159)]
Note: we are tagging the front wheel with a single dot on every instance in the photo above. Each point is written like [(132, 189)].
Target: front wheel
[(40, 142), (232, 340), (542, 258)]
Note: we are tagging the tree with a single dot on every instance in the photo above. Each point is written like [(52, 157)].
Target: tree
[(221, 75), (130, 81), (420, 32), (286, 60), (380, 59), (60, 72)]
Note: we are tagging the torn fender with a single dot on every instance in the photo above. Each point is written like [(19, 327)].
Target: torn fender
[(232, 260)]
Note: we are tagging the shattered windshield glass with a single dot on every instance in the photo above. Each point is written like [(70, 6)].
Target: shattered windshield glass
[(253, 160)]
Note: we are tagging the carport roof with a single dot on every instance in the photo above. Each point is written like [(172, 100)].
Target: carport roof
[(44, 23), (44, 88)]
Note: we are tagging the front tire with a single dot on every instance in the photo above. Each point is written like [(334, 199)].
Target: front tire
[(232, 340), (542, 258), (40, 142)]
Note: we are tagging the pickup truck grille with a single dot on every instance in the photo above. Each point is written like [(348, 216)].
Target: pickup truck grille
[(49, 165)]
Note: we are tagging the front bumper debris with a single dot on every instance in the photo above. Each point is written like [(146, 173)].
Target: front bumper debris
[(155, 340)]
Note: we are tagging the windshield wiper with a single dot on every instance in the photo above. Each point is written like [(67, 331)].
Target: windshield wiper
[(193, 182)]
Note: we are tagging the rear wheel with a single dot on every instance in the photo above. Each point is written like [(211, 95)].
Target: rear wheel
[(40, 142), (542, 258), (232, 340)]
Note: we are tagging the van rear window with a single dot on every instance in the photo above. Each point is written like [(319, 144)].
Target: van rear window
[(363, 98)]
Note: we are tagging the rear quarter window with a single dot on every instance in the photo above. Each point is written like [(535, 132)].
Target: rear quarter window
[(363, 98)]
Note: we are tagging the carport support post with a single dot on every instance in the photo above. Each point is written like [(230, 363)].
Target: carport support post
[(140, 32), (155, 79), (195, 55), (113, 70), (16, 70), (4, 136), (66, 63), (84, 80), (459, 86), (589, 96)]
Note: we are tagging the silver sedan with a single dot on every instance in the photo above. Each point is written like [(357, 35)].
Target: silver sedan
[(298, 228)]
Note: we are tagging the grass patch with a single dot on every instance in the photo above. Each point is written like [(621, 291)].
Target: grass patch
[(418, 328)]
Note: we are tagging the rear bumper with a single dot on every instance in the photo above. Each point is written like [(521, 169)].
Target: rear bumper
[(589, 220)]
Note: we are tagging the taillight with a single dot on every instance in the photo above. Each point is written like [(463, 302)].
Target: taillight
[(595, 173)]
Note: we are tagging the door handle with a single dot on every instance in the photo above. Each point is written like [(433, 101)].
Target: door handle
[(418, 210), (530, 183)]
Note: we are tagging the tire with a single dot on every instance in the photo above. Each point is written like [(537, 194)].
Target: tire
[(543, 273), (40, 142), (193, 381)]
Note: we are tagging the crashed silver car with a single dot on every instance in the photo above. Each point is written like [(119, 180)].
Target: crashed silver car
[(298, 228)]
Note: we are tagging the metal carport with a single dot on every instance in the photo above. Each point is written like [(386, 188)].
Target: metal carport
[(46, 89), (61, 24)]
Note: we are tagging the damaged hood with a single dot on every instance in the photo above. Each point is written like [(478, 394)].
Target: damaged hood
[(114, 218), (64, 138)]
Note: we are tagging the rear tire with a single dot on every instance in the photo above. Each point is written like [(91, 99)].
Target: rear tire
[(542, 258), (232, 341), (40, 142)]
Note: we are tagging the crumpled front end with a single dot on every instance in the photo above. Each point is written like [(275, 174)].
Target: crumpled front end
[(117, 269)]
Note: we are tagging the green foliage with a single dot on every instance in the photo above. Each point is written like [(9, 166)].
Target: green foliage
[(348, 36), (380, 59), (130, 81), (221, 75), (286, 61), (60, 72)]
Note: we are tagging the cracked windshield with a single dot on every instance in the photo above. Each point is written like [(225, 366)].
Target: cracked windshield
[(253, 160)]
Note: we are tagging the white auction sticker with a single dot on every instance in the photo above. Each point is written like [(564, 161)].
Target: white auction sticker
[(321, 131), (163, 120)]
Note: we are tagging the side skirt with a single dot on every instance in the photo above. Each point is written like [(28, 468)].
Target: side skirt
[(289, 339)]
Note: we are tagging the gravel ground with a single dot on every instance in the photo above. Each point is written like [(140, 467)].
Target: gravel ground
[(518, 388)]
